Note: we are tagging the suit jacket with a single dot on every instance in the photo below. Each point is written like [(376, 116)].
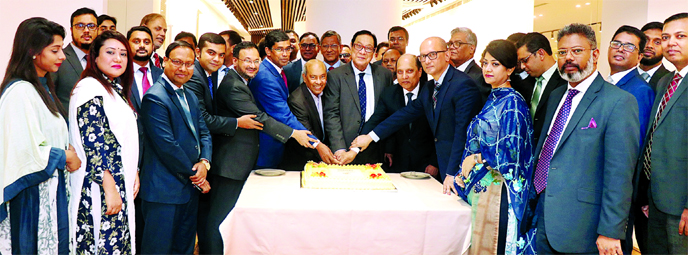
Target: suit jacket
[(523, 86), (657, 76), (458, 101), (198, 84), (539, 118), (303, 106), (413, 148), (136, 102), (633, 83), (236, 155), (67, 75), (171, 148), (293, 71), (669, 179), (589, 182), (476, 73)]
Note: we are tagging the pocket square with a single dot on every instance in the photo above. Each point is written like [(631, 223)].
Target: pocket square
[(592, 124)]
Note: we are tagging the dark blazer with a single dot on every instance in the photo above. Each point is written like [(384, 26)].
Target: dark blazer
[(302, 105), (633, 83), (342, 110), (539, 118), (413, 149), (198, 84), (523, 86), (589, 182), (293, 71), (476, 73), (67, 75), (458, 101), (657, 76), (236, 155), (171, 148)]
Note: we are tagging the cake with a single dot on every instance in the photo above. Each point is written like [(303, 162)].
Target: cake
[(355, 177)]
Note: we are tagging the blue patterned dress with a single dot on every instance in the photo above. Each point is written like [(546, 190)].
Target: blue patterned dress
[(502, 134)]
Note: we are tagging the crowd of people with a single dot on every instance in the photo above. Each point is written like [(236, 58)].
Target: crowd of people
[(110, 148)]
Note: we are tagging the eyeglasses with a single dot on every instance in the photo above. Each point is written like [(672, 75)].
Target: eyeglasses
[(327, 47), (344, 55), (308, 46), (280, 50), (81, 26), (178, 63), (431, 56), (397, 39), (562, 53), (457, 44), (525, 60), (248, 61), (629, 47), (359, 47)]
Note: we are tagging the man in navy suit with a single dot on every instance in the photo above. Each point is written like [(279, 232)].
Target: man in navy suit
[(449, 102), (586, 154), (310, 46), (176, 160), (269, 88)]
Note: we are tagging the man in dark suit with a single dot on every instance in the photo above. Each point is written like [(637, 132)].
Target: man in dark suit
[(84, 30), (350, 97), (651, 68), (535, 57), (448, 102), (307, 105), (397, 37), (310, 46), (236, 155), (176, 160), (666, 145), (523, 83), (583, 174), (158, 26), (412, 147), (232, 38)]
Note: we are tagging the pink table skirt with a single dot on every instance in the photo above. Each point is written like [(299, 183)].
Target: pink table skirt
[(274, 215)]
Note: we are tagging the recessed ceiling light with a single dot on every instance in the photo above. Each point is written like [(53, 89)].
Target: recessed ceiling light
[(578, 6), (255, 13), (261, 25), (540, 15), (587, 3), (250, 1), (534, 17)]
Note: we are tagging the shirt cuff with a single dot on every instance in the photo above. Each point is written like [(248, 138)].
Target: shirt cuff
[(357, 150), (374, 136), (316, 143)]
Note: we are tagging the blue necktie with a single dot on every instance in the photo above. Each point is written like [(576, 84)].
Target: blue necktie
[(362, 99), (185, 106), (210, 85)]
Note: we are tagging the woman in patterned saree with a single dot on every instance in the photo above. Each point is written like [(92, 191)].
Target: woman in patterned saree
[(495, 175), (102, 126), (34, 145)]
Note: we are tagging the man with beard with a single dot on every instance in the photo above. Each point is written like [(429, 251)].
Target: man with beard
[(236, 155), (588, 140), (310, 46), (331, 47), (651, 67), (294, 42), (389, 61), (158, 26), (84, 30)]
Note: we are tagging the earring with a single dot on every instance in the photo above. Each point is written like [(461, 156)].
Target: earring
[(34, 57)]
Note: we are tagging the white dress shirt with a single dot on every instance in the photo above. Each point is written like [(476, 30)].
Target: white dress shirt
[(138, 77), (615, 78), (370, 89), (337, 64), (463, 66), (318, 106), (414, 92), (221, 73), (650, 72)]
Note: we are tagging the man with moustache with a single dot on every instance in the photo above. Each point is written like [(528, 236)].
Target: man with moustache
[(462, 48), (411, 148), (310, 46), (398, 39), (236, 155), (345, 56), (232, 38), (307, 105), (271, 93), (176, 158), (651, 67), (330, 48), (294, 42), (663, 159), (83, 30), (448, 102), (158, 26), (389, 61), (586, 155), (351, 94)]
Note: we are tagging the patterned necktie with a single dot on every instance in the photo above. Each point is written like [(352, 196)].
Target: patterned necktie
[(362, 98), (187, 112), (210, 86), (665, 99), (535, 100), (409, 96), (157, 60), (284, 77), (434, 94), (646, 76), (542, 170), (145, 84)]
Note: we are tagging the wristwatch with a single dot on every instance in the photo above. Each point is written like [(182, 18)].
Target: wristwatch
[(206, 163)]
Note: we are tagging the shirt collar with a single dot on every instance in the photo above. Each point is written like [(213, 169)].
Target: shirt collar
[(336, 64), (414, 91), (651, 72), (463, 66), (137, 66), (615, 78), (313, 95), (170, 82), (683, 72), (242, 78), (441, 79), (548, 74), (367, 70), (279, 69), (79, 54), (585, 84)]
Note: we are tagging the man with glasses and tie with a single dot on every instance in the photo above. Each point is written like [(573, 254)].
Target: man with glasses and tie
[(176, 157), (449, 102), (585, 155), (83, 30), (535, 57), (350, 97), (331, 47), (310, 46)]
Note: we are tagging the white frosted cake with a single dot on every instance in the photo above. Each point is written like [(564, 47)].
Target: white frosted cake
[(355, 177)]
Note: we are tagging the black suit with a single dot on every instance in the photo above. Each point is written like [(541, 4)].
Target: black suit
[(413, 149), (539, 119), (293, 72), (304, 109), (523, 86), (67, 75), (657, 76), (476, 73)]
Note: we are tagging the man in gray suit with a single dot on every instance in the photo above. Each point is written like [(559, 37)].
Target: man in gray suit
[(587, 152), (350, 97), (651, 67), (664, 157), (310, 46), (84, 30)]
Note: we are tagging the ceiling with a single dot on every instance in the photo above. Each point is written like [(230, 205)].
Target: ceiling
[(551, 15)]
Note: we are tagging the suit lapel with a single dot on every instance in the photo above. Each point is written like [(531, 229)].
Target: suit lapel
[(177, 103), (73, 60), (378, 82), (278, 76), (135, 95), (318, 132), (350, 82), (443, 91), (585, 102), (551, 85), (627, 77), (681, 88)]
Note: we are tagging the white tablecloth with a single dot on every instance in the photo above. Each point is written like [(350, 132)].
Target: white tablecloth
[(274, 215)]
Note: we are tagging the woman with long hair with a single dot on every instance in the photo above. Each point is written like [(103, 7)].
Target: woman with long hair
[(103, 129), (34, 145), (495, 175)]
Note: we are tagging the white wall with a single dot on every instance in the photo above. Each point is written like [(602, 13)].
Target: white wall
[(14, 12)]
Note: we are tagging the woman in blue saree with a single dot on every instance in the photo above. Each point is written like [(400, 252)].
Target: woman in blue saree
[(496, 171)]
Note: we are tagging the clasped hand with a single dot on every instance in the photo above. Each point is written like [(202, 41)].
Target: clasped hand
[(199, 177)]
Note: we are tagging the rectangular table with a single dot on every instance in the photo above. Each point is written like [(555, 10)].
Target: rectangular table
[(274, 215)]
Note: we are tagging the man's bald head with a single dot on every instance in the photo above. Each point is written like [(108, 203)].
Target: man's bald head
[(434, 56), (313, 64), (315, 76)]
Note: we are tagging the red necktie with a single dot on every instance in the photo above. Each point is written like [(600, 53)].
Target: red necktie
[(157, 60), (145, 83), (284, 77), (665, 99), (330, 69)]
